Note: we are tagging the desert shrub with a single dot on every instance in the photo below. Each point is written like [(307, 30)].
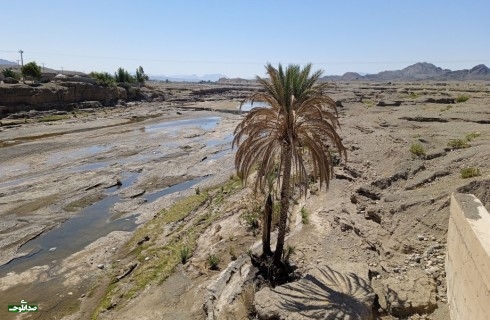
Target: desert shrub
[(462, 98), (305, 216), (336, 158), (287, 253), (10, 73), (368, 103), (458, 143), (470, 172), (417, 149), (103, 78), (185, 254), (54, 117), (413, 95), (232, 253), (446, 108), (213, 261), (472, 135), (251, 219), (276, 211)]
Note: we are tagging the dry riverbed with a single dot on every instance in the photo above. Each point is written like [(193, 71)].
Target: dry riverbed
[(92, 180), (68, 184)]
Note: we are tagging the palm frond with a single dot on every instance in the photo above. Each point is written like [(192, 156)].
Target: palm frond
[(298, 114)]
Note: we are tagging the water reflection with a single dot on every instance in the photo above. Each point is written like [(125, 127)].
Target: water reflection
[(207, 123), (248, 105)]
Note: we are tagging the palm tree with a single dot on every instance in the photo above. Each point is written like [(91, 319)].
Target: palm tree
[(299, 123)]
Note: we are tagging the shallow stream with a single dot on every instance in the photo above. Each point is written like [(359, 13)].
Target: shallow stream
[(94, 221)]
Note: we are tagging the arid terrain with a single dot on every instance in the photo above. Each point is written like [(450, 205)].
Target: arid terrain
[(98, 205)]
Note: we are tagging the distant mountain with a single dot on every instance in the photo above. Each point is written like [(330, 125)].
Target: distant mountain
[(479, 72), (418, 71), (189, 78), (7, 63)]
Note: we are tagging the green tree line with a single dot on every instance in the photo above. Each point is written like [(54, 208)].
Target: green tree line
[(120, 76)]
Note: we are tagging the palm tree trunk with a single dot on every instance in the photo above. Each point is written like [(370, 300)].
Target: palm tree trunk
[(266, 226), (285, 192)]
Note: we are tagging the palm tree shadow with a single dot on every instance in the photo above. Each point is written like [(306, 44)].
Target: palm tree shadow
[(328, 294)]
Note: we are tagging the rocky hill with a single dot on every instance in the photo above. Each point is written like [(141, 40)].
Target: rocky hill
[(4, 62), (419, 71)]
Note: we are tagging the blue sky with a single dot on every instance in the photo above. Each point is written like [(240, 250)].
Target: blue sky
[(237, 38)]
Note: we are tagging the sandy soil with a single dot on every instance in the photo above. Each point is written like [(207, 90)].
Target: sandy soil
[(387, 207)]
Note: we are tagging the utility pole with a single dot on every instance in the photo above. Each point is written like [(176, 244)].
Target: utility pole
[(21, 58), (18, 62), (61, 70), (43, 65)]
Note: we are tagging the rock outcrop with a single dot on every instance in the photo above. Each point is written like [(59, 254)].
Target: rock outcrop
[(23, 97), (412, 294)]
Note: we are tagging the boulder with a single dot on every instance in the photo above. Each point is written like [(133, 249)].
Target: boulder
[(414, 293), (323, 293), (9, 80)]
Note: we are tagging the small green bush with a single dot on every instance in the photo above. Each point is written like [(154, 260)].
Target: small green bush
[(470, 172), (251, 219), (305, 216), (213, 261), (185, 254), (417, 149), (54, 117), (232, 252), (287, 253), (472, 135), (446, 108), (368, 103), (413, 95), (458, 143), (462, 98), (10, 73)]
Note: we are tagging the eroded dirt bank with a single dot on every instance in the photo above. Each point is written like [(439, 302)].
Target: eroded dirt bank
[(387, 210)]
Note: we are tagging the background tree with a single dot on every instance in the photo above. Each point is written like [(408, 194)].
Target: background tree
[(123, 75), (141, 77), (31, 69), (299, 123)]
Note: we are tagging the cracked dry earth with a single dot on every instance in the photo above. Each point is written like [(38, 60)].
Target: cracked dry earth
[(374, 244)]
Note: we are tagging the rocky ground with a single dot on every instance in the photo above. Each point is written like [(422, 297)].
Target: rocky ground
[(378, 234)]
